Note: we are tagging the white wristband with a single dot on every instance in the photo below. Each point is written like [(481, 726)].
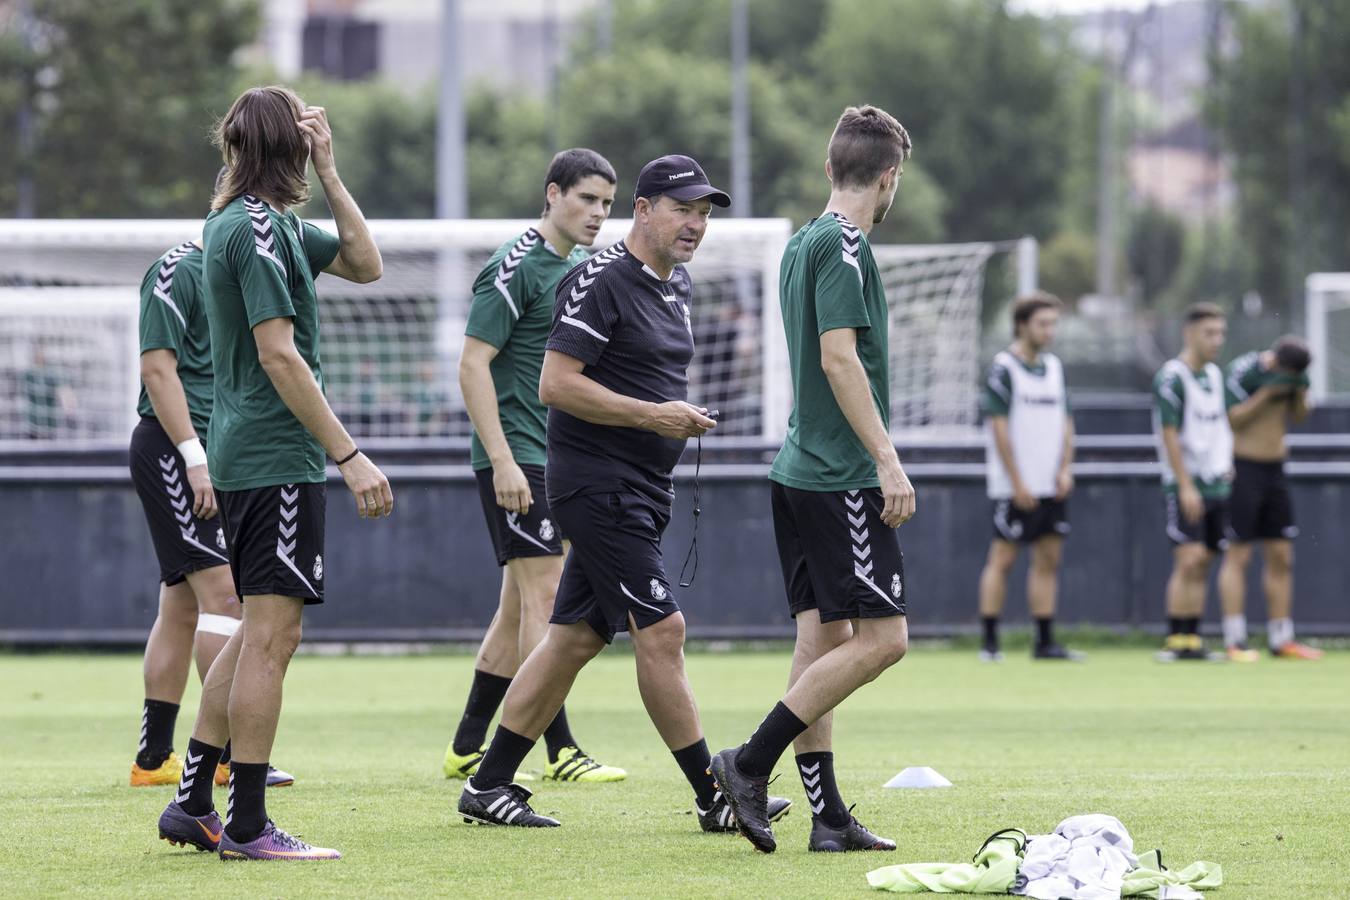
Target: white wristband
[(193, 453)]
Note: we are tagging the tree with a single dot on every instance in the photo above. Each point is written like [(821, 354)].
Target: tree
[(123, 97), (1278, 101), (1154, 250)]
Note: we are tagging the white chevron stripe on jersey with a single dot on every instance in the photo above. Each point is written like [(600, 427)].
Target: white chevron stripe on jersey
[(852, 237), (510, 263), (286, 541), (264, 238), (164, 277), (572, 303)]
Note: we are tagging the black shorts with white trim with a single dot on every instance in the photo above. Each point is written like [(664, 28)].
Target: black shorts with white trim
[(615, 568), (1212, 528), (183, 543), (1050, 518), (1262, 507), (276, 535), (519, 535), (838, 557)]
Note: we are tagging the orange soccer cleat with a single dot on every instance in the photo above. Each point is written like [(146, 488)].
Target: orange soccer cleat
[(1295, 650)]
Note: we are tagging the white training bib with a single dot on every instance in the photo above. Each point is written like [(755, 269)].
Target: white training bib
[(1206, 438), (1036, 414)]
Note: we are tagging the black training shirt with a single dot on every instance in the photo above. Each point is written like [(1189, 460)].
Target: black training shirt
[(632, 331)]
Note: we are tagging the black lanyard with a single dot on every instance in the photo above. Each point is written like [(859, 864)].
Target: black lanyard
[(693, 544)]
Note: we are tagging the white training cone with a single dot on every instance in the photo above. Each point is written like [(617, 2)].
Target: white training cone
[(918, 777)]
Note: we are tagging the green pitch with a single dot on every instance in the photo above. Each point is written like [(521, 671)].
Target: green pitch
[(1247, 766)]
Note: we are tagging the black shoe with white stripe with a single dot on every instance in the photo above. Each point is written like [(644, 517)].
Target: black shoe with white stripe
[(719, 819), (748, 796), (505, 805)]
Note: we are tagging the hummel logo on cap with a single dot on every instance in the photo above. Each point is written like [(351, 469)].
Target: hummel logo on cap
[(679, 177)]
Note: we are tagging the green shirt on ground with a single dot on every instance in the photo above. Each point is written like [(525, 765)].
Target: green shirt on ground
[(512, 309), (260, 265), (828, 279), (1169, 399), (1245, 377), (173, 317)]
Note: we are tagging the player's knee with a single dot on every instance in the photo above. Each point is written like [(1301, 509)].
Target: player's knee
[(278, 642), (1279, 559), (664, 639), (1238, 555), (537, 605), (885, 650), (1002, 556)]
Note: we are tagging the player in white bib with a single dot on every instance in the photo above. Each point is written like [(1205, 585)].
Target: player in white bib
[(1195, 449), (1029, 466)]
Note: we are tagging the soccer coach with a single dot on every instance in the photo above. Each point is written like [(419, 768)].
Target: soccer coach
[(615, 377)]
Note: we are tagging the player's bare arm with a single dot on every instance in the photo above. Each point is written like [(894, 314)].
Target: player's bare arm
[(358, 258), (159, 374), (1064, 479), (848, 381), (1022, 498), (563, 385), (295, 384), (480, 400), (1192, 504)]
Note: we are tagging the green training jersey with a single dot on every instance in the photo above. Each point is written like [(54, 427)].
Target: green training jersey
[(173, 317), (260, 265), (827, 280), (996, 391), (512, 309), (1246, 376)]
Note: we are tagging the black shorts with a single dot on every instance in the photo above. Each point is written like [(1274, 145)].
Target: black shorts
[(837, 555), (276, 533), (1050, 518), (615, 568), (1261, 507), (183, 543), (1212, 529), (515, 536)]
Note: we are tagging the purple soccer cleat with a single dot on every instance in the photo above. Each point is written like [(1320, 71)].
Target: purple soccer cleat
[(181, 829), (273, 843)]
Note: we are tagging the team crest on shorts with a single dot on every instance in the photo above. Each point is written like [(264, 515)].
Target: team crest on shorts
[(318, 567), (896, 586), (658, 590), (546, 530), (220, 538)]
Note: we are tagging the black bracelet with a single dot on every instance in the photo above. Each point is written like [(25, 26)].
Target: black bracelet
[(349, 457)]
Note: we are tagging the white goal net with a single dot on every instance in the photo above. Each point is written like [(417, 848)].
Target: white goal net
[(390, 350)]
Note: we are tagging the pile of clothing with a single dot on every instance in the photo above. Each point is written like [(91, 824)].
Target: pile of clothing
[(1086, 858)]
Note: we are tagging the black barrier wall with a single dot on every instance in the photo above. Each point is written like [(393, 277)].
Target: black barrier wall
[(79, 566)]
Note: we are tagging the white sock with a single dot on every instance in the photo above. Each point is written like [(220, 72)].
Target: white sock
[(1234, 630), (1281, 632)]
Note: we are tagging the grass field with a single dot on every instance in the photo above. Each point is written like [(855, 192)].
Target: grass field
[(1245, 766)]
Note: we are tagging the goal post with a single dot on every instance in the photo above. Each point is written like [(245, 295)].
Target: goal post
[(1327, 314)]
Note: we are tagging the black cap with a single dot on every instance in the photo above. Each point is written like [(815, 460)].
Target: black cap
[(679, 177)]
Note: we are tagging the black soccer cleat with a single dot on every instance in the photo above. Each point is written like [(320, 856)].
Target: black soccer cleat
[(1057, 651), (853, 836), (748, 797), (505, 805), (719, 819)]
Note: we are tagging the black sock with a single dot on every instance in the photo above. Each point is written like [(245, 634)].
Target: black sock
[(246, 809), (225, 755), (157, 721), (1045, 631), (822, 791), (485, 696), (503, 757), (199, 773), (759, 754), (1174, 625), (693, 762), (558, 735), (1191, 625), (990, 630)]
